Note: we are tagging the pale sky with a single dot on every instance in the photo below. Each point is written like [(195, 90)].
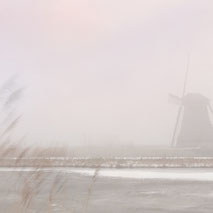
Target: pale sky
[(99, 71)]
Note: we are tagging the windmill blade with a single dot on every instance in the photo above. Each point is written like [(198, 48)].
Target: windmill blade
[(176, 126), (174, 99), (181, 107)]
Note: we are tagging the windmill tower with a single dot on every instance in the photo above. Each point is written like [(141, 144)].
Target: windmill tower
[(193, 126)]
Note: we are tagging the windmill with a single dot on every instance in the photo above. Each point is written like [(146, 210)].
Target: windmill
[(193, 126)]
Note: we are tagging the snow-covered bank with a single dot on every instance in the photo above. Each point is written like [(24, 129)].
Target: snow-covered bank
[(143, 174)]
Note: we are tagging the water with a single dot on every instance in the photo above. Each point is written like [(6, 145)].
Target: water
[(111, 190)]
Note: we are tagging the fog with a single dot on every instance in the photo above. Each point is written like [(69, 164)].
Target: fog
[(99, 72)]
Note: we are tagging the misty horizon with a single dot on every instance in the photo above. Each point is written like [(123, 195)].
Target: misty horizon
[(100, 72)]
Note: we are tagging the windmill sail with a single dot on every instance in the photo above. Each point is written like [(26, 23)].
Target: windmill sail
[(173, 99), (180, 107)]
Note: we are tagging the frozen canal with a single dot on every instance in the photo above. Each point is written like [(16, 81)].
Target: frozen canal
[(106, 190)]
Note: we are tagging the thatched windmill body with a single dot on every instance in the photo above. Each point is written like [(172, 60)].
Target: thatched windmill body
[(193, 127)]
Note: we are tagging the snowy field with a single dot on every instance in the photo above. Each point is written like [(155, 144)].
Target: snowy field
[(109, 190)]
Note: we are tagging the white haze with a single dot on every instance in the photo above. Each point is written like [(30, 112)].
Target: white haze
[(99, 71)]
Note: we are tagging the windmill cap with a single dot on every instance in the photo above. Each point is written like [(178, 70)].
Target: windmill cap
[(195, 99)]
